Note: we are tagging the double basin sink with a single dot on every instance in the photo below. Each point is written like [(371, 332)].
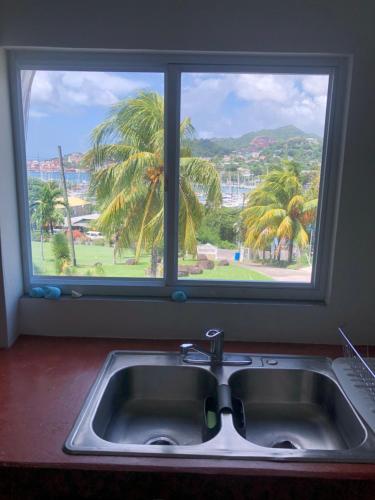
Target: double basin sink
[(278, 408)]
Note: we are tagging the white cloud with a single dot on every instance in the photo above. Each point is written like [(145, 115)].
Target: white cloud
[(42, 88), (33, 113), (265, 87), (61, 89), (255, 101), (315, 85)]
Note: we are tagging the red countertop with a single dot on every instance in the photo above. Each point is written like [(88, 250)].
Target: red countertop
[(43, 384)]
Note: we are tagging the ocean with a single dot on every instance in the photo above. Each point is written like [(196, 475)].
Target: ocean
[(71, 177)]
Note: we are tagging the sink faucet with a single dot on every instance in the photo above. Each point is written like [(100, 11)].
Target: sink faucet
[(195, 355), (215, 354)]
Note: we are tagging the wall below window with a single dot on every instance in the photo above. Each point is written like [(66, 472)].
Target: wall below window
[(164, 319), (273, 26)]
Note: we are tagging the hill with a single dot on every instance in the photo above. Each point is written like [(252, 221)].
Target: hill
[(250, 141)]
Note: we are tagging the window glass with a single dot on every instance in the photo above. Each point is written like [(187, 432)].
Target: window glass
[(95, 172), (250, 167)]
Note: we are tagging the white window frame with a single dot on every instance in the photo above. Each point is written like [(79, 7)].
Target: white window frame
[(173, 64)]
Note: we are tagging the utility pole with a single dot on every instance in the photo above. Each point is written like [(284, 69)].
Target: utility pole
[(66, 200)]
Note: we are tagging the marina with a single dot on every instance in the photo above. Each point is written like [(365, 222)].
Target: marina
[(234, 190)]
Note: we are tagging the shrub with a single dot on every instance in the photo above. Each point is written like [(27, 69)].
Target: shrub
[(66, 268), (228, 245), (221, 227), (98, 269), (60, 246), (61, 253)]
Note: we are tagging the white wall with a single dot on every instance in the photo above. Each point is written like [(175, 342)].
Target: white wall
[(10, 259), (335, 26)]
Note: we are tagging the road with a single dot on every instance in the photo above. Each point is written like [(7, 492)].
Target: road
[(277, 273), (281, 274)]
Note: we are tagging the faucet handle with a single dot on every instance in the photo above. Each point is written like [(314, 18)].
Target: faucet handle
[(184, 348), (214, 332)]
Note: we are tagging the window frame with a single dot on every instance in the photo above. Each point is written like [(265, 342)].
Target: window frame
[(173, 64)]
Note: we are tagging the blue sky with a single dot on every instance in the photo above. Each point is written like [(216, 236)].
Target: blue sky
[(66, 106)]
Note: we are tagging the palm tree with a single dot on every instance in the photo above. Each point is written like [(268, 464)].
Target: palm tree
[(127, 156), (44, 199), (279, 208)]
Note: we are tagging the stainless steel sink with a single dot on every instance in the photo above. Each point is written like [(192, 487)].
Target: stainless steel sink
[(295, 409), (157, 405), (277, 408)]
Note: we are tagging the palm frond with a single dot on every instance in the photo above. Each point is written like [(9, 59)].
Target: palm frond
[(285, 229), (190, 216), (203, 173), (310, 205), (138, 119), (272, 217), (301, 237), (295, 205), (107, 153)]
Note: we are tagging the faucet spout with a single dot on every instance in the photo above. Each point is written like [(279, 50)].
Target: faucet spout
[(216, 336)]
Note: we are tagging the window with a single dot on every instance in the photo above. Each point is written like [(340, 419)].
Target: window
[(95, 175), (142, 174), (255, 161)]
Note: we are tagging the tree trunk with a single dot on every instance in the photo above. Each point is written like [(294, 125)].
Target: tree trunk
[(51, 227), (264, 255), (66, 201), (154, 262), (144, 219), (115, 247), (41, 242), (114, 253), (290, 255)]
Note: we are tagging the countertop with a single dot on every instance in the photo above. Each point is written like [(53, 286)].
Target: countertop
[(43, 384)]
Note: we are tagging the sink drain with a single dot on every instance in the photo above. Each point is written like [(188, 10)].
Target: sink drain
[(285, 444), (161, 440)]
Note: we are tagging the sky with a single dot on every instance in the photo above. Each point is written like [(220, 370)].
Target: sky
[(66, 105)]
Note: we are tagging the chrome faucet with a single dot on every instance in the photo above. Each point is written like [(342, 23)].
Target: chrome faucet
[(195, 355), (215, 354)]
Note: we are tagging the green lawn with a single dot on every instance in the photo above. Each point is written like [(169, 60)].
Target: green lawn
[(88, 255), (232, 272)]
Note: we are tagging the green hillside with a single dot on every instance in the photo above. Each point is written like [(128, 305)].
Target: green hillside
[(209, 147), (221, 146)]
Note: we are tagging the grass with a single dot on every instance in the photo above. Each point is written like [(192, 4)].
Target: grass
[(88, 255), (232, 272)]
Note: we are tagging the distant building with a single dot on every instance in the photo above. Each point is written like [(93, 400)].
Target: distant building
[(210, 251), (84, 222), (78, 206)]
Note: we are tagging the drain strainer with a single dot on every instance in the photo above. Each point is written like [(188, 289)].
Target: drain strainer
[(161, 440), (285, 444)]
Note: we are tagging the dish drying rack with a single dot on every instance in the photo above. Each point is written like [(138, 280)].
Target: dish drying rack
[(356, 374)]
